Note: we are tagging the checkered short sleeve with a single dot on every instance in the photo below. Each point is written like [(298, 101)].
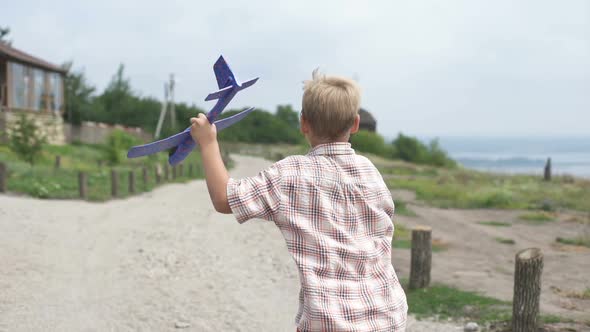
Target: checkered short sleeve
[(256, 197)]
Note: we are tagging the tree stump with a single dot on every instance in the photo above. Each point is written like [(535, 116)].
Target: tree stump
[(144, 175), (3, 177), (527, 290), (131, 182), (83, 185), (114, 183), (57, 162), (421, 257), (547, 173)]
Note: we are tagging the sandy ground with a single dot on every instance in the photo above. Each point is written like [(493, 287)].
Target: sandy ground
[(165, 261)]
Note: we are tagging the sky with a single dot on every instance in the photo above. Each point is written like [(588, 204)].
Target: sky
[(426, 68)]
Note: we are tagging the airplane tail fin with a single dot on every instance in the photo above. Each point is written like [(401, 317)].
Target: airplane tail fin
[(248, 83), (225, 77)]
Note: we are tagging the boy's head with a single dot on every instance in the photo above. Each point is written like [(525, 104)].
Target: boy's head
[(329, 108)]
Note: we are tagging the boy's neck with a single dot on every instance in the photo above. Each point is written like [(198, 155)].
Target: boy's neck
[(315, 142)]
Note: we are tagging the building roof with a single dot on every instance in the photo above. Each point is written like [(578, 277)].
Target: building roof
[(366, 117), (13, 54)]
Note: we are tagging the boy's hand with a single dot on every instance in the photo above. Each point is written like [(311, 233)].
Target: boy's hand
[(202, 131)]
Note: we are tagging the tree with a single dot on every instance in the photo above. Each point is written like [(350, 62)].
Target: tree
[(26, 140), (79, 96), (117, 99), (3, 33), (288, 115)]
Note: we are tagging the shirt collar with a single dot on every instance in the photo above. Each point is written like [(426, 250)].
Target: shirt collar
[(334, 148)]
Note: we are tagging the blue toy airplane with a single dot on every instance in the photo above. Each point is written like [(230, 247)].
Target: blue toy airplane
[(183, 142)]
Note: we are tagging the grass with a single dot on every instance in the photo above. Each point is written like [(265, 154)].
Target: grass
[(539, 217), (462, 188), (401, 208), (446, 302), (43, 180), (583, 241), (402, 239), (505, 240), (495, 223)]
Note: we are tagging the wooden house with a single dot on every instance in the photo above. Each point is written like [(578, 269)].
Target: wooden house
[(367, 122), (33, 87)]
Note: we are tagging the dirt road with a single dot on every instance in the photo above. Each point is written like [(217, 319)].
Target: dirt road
[(165, 261)]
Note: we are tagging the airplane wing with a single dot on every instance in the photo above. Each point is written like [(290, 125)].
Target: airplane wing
[(223, 74), (219, 93), (161, 145)]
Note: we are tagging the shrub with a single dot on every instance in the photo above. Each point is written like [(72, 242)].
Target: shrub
[(26, 140), (411, 149), (117, 145), (370, 142)]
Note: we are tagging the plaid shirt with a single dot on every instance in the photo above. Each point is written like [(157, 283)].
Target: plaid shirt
[(335, 213)]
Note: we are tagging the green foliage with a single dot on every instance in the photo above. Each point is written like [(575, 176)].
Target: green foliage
[(118, 143), (411, 149), (26, 140), (370, 142), (401, 208), (583, 241), (79, 95), (260, 127), (3, 33)]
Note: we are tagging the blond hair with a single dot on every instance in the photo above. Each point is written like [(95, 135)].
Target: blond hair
[(330, 104)]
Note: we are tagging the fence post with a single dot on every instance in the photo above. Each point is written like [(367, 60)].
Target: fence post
[(58, 162), (83, 185), (181, 170), (131, 182), (174, 172), (114, 183), (166, 172), (547, 173), (190, 171), (144, 175), (527, 290), (158, 173), (3, 177), (421, 260)]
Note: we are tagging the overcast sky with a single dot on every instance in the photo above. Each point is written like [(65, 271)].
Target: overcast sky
[(427, 68)]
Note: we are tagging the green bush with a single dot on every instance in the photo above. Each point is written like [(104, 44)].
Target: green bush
[(25, 140), (370, 142), (411, 149), (117, 145)]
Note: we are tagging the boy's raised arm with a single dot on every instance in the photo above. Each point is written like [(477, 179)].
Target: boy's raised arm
[(205, 134)]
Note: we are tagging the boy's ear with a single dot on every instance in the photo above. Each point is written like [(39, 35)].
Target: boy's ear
[(355, 127), (304, 126)]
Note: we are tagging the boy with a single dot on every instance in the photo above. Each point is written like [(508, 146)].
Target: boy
[(333, 209)]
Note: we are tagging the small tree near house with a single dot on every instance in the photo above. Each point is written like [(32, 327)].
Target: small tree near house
[(26, 140)]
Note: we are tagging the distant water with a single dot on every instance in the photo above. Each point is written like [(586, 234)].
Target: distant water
[(521, 155)]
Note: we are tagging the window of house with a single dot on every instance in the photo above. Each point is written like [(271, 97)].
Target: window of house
[(56, 92), (38, 89), (20, 85)]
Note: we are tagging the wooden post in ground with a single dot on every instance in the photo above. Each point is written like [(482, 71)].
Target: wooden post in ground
[(181, 170), (114, 183), (166, 172), (547, 173), (131, 182), (174, 172), (421, 257), (144, 175), (83, 185), (527, 290), (190, 171), (57, 162), (3, 177), (158, 174)]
